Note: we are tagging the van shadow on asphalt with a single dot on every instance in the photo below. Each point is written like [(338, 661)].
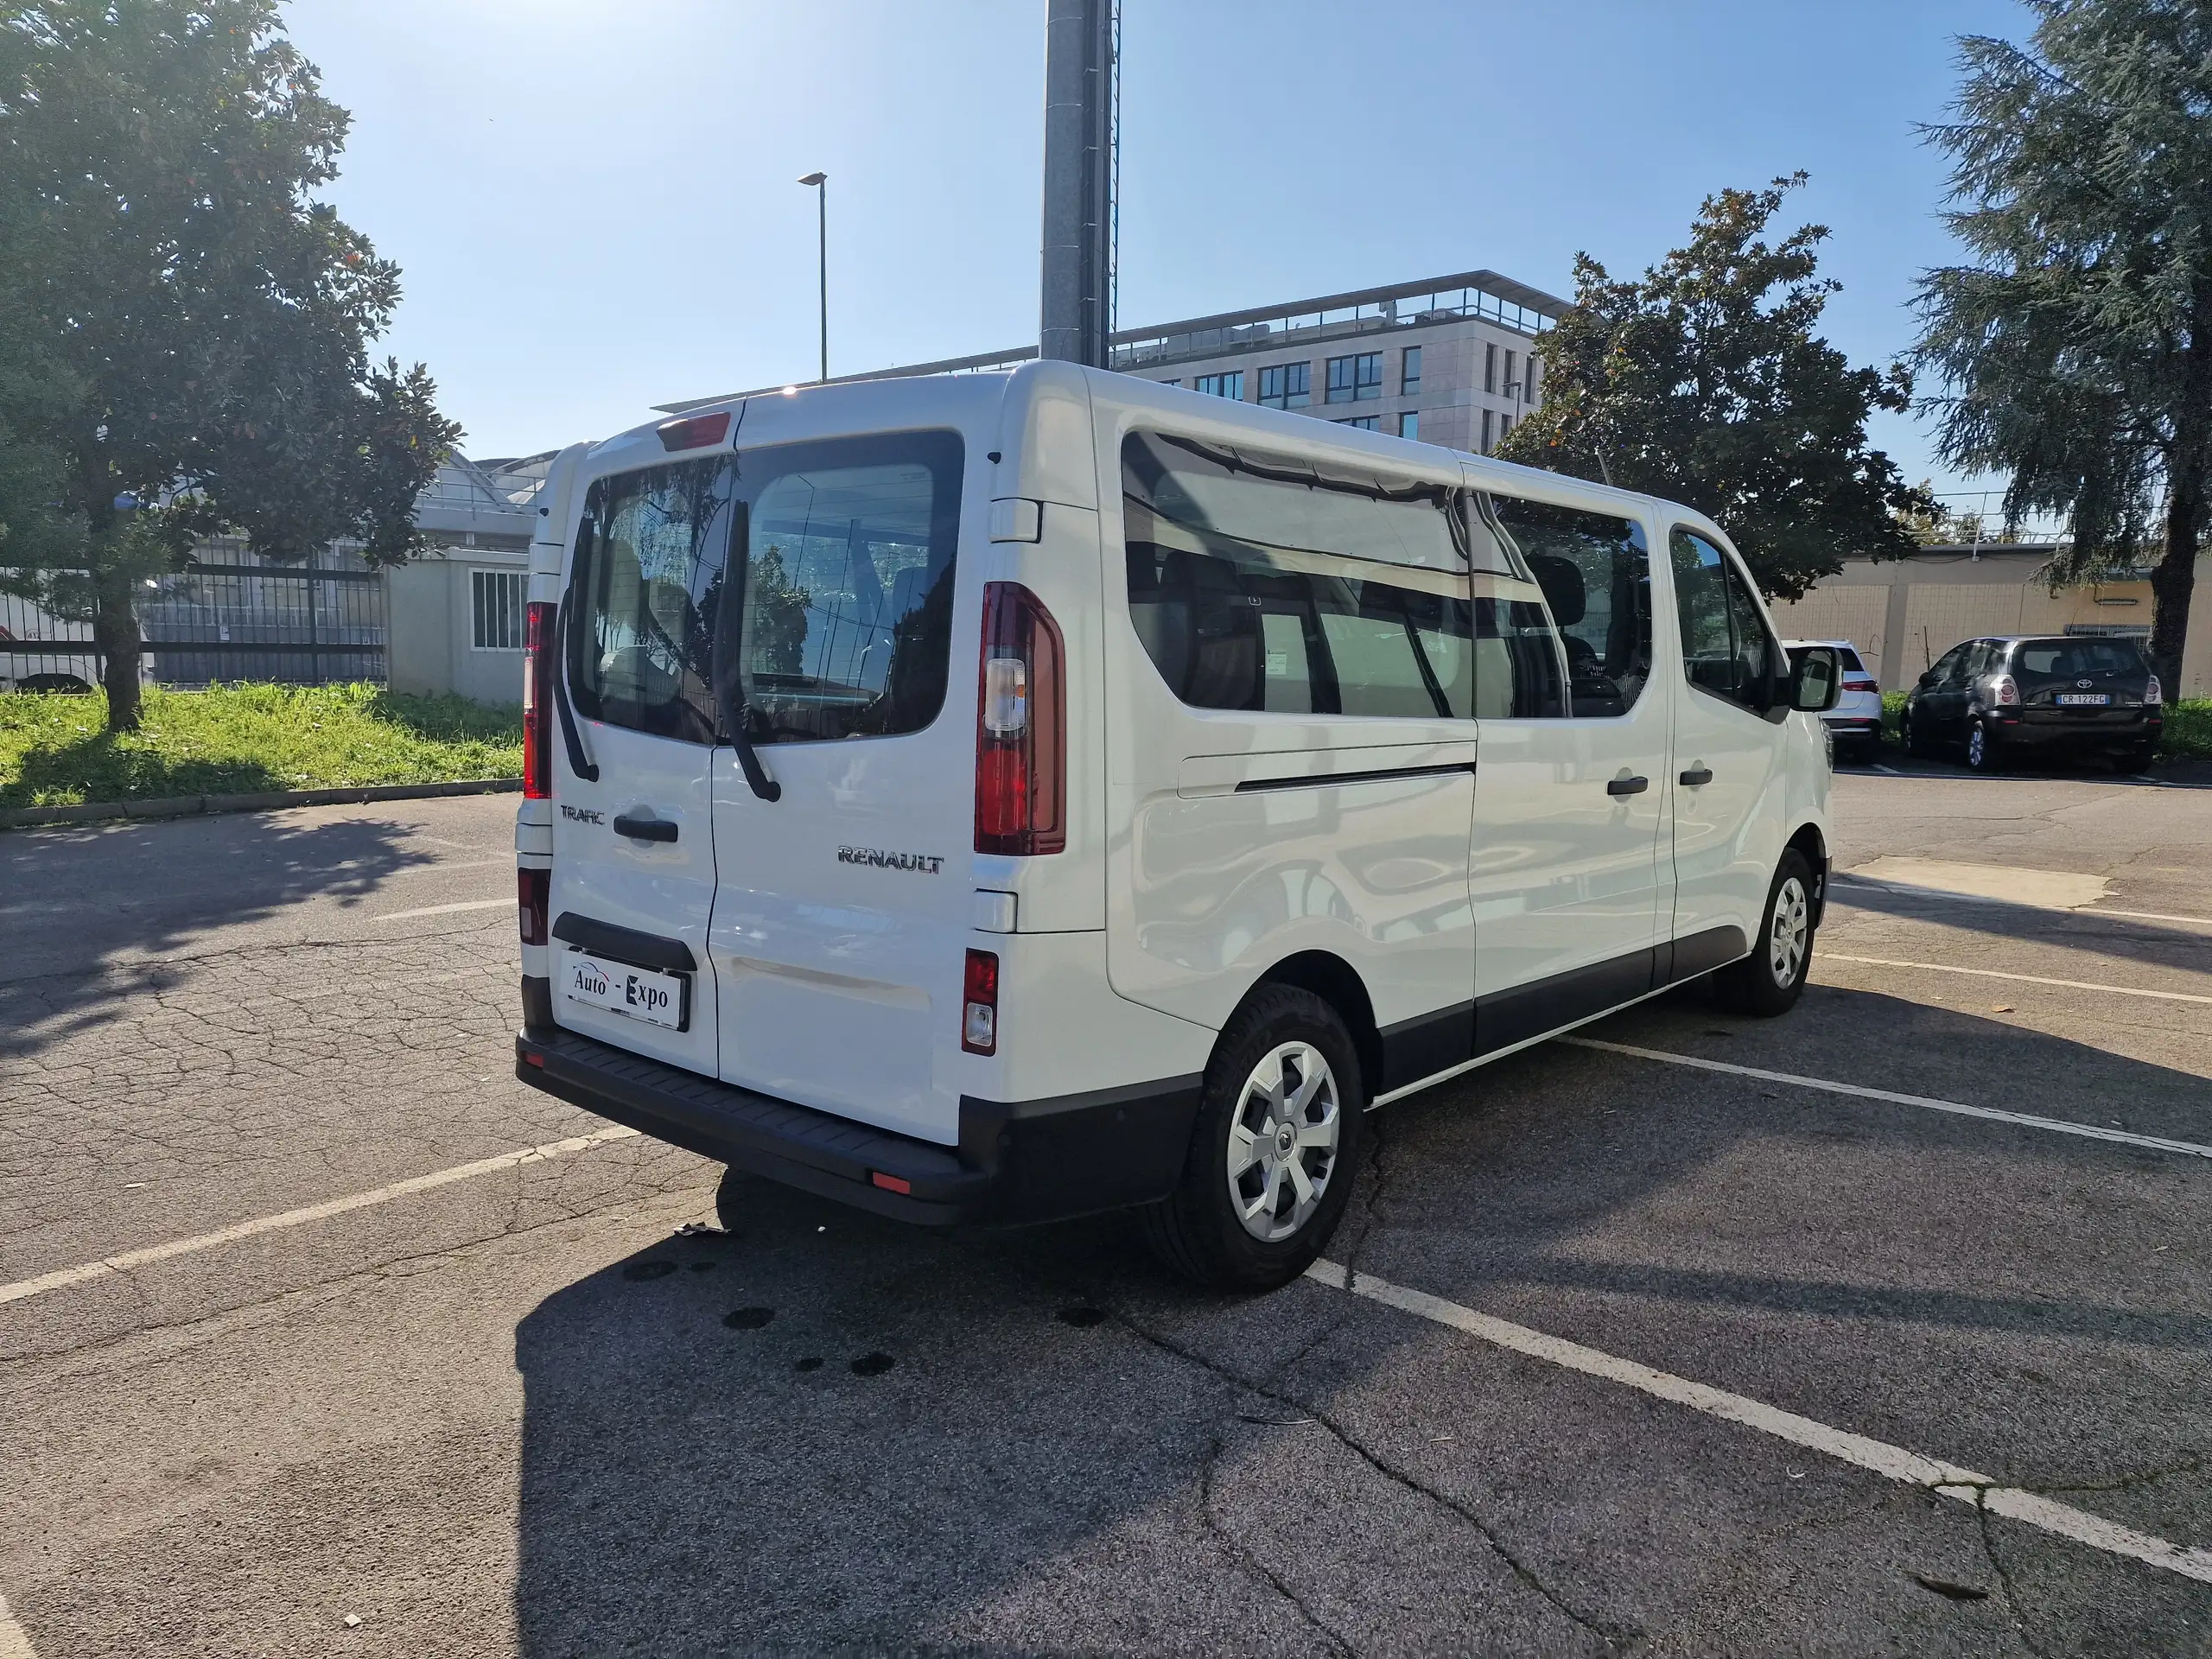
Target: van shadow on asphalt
[(87, 914), (831, 1431)]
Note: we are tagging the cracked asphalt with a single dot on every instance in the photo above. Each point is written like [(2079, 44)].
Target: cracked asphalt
[(542, 1412)]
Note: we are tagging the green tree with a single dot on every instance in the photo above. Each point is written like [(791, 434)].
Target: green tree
[(188, 327), (2077, 346), (1704, 382)]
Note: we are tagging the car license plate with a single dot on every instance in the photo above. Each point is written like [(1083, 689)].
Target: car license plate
[(2084, 699), (644, 994)]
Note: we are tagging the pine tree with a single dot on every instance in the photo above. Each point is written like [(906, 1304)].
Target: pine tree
[(2077, 344)]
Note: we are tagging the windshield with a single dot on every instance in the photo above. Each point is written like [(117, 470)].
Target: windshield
[(839, 624)]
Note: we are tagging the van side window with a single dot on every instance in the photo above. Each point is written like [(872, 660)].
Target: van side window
[(1262, 584), (1517, 675), (1595, 570), (646, 583), (1727, 647), (839, 624)]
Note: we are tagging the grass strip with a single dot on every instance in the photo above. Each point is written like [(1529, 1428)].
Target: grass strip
[(55, 749)]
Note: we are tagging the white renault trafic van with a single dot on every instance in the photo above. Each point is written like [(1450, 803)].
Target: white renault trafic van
[(1002, 796)]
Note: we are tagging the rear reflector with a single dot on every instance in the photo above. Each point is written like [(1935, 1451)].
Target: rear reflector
[(537, 701), (889, 1183), (979, 1004), (694, 431), (533, 892)]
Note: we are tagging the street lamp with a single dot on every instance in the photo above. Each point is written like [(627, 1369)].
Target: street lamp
[(820, 182)]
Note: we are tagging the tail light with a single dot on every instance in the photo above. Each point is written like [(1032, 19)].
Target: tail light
[(2153, 693), (1857, 682), (533, 891), (1021, 727), (2008, 692), (979, 1004), (537, 704)]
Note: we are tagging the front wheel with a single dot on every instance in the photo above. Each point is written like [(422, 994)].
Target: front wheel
[(1770, 981), (1273, 1151), (1915, 732)]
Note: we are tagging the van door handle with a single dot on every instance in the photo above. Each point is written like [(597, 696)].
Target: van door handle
[(1628, 785), (1697, 775), (644, 829)]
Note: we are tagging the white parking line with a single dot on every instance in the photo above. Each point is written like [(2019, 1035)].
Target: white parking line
[(2055, 1125), (445, 910), (61, 1277), (13, 1644), (1892, 1462), (1890, 771), (2024, 979)]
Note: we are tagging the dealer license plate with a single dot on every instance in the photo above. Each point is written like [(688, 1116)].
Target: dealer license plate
[(657, 999), (2084, 699)]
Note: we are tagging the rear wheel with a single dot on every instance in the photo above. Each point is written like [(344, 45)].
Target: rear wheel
[(2139, 759), (1770, 981), (1916, 731), (1983, 753), (1273, 1151)]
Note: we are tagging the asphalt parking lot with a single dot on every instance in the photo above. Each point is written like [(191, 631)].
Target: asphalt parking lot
[(1881, 1328)]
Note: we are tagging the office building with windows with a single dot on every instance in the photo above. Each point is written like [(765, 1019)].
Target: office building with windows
[(1454, 360)]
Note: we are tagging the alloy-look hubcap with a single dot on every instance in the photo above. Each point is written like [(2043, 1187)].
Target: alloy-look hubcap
[(1282, 1141), (1787, 934)]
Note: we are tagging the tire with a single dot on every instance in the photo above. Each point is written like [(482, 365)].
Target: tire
[(1770, 981), (1915, 732), (1983, 752), (1239, 1219), (2138, 760)]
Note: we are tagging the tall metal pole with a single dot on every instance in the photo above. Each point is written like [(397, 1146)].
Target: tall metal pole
[(821, 183), (1077, 266)]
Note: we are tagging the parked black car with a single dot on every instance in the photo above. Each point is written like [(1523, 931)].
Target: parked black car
[(1996, 699)]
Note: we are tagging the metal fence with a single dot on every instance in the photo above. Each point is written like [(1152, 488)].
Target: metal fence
[(231, 616)]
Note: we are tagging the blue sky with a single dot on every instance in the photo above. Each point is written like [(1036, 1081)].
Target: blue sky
[(593, 200)]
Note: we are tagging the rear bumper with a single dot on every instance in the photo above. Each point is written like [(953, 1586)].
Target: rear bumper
[(1017, 1162), (2030, 731)]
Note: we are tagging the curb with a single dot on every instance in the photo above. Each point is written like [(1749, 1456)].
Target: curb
[(182, 806)]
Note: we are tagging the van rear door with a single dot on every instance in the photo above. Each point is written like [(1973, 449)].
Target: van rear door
[(634, 846), (843, 906)]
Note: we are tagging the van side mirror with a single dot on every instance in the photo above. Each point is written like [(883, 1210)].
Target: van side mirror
[(1815, 680), (1561, 581)]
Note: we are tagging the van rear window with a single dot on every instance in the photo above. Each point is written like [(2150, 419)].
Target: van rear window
[(840, 625), (647, 582)]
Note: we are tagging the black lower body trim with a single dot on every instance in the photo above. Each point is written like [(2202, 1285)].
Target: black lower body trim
[(1422, 1046), (1697, 953), (1431, 1043), (1506, 1018), (1016, 1161)]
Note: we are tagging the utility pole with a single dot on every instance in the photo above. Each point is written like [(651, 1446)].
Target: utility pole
[(821, 183), (1075, 316)]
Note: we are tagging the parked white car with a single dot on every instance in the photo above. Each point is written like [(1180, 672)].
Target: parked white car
[(1002, 796), (1855, 723)]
